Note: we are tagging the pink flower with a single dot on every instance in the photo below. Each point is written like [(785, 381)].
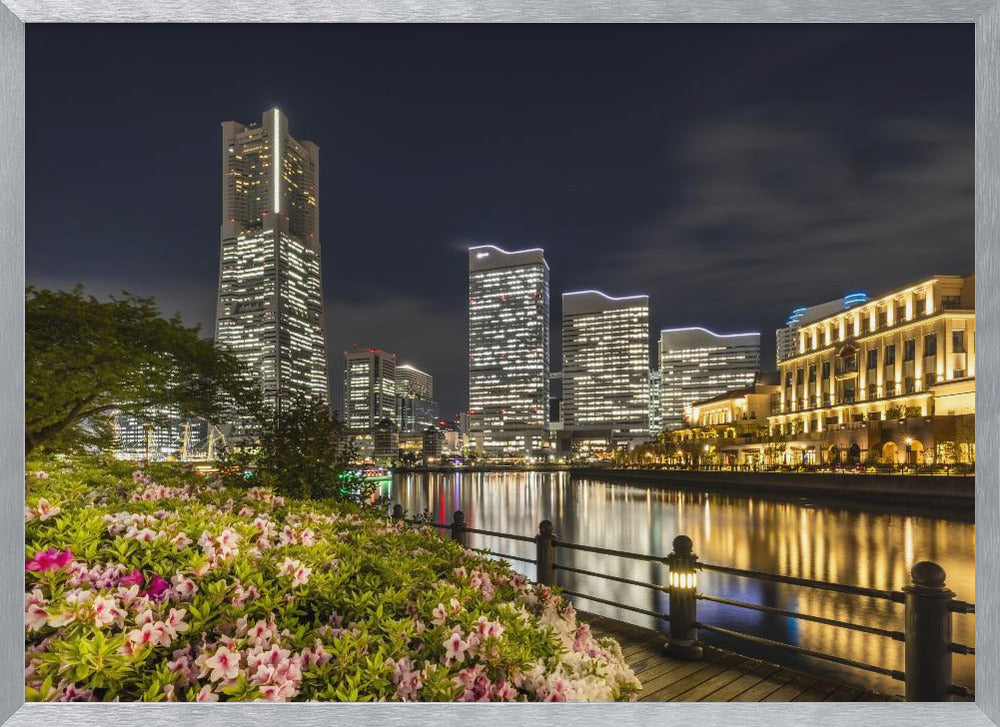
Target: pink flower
[(206, 695), (42, 475), (184, 587), (224, 664), (51, 559), (35, 617), (107, 611), (181, 541), (301, 576), (438, 615), (455, 648)]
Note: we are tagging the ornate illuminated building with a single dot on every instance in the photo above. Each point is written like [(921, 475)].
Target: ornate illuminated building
[(787, 338), (605, 368), (697, 364), (270, 305), (369, 389), (889, 381), (508, 350)]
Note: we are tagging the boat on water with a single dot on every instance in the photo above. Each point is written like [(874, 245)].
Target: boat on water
[(371, 473)]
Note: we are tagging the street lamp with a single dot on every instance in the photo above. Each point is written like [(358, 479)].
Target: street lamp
[(682, 586)]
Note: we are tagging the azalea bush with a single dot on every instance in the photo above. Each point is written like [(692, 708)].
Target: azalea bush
[(159, 585)]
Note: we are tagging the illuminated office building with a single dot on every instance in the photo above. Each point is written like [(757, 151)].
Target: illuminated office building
[(787, 338), (655, 412), (605, 366), (697, 364), (369, 389), (270, 305), (415, 406), (508, 351)]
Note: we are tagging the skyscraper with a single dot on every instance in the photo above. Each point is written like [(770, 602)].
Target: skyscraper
[(270, 305), (697, 364), (369, 389), (508, 350), (605, 365), (415, 406)]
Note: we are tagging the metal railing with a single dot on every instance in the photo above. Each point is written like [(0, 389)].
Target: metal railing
[(928, 605)]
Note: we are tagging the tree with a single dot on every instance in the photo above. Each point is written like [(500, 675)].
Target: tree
[(85, 358), (304, 452)]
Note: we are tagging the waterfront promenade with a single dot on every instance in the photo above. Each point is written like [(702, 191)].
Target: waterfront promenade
[(719, 676)]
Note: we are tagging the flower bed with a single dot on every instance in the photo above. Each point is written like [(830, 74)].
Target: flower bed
[(160, 586)]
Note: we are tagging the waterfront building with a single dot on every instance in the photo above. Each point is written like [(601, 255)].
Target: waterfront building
[(433, 443), (787, 338), (697, 364), (369, 389), (508, 351), (386, 440), (887, 382), (605, 369), (415, 406), (270, 302)]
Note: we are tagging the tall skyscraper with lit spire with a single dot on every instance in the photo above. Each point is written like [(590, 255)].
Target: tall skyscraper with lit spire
[(270, 305)]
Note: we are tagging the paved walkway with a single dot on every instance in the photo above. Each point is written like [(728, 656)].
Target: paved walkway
[(720, 676)]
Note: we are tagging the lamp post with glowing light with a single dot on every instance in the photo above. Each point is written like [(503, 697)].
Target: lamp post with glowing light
[(682, 586)]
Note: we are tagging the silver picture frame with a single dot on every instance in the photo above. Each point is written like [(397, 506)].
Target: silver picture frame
[(14, 14)]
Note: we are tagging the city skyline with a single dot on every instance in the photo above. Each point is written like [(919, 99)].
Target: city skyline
[(826, 159)]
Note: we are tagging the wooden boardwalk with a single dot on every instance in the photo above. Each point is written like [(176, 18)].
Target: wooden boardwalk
[(720, 676)]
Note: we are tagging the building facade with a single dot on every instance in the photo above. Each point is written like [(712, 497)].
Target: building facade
[(508, 351), (159, 434), (415, 406), (697, 364), (787, 338), (605, 366), (887, 382), (270, 303), (655, 412), (369, 389)]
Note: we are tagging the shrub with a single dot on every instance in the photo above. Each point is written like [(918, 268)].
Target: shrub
[(161, 586)]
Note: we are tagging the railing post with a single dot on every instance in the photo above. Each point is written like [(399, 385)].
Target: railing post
[(397, 512), (928, 634), (458, 526), (545, 555), (682, 586)]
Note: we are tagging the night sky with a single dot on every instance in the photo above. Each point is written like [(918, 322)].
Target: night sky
[(730, 172)]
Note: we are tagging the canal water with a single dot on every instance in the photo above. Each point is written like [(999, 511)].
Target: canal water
[(848, 543)]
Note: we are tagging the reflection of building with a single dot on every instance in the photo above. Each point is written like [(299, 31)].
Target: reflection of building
[(508, 350), (161, 434), (696, 364), (605, 370), (270, 304), (889, 381), (787, 338), (369, 388)]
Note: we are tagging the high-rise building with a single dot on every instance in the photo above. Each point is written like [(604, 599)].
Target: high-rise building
[(369, 389), (787, 338), (415, 406), (655, 412), (508, 350), (697, 364), (270, 305), (159, 433), (605, 365)]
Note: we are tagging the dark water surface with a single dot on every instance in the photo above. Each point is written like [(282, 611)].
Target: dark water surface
[(842, 543)]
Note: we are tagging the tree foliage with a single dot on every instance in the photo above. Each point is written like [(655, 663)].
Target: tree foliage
[(304, 452), (85, 358)]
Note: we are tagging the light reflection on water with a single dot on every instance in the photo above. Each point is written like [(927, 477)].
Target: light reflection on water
[(839, 543)]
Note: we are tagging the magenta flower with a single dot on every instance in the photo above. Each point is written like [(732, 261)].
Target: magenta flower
[(50, 559), (157, 587), (132, 579)]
